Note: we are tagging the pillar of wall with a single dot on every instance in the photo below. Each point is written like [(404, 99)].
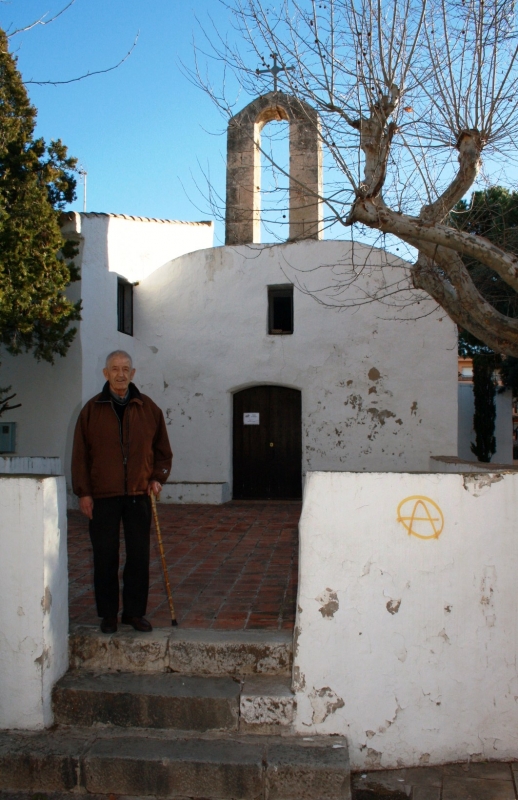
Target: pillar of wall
[(33, 597), (243, 211), (406, 631)]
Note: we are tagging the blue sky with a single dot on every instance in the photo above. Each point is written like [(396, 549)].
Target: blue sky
[(144, 134)]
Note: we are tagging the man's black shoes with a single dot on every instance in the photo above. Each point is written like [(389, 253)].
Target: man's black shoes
[(109, 625), (139, 623)]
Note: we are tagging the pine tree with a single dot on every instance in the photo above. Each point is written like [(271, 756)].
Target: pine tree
[(36, 181)]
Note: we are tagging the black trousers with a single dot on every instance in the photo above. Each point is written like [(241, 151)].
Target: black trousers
[(135, 514)]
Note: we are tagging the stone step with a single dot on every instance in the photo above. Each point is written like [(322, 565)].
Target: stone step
[(262, 704), (267, 705), (188, 651), (146, 764), (160, 700)]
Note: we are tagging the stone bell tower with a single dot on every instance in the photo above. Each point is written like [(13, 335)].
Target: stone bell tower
[(243, 205)]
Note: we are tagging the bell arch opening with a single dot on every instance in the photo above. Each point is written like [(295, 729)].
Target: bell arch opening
[(272, 187), (303, 178)]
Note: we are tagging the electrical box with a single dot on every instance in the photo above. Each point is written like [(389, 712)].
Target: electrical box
[(7, 437)]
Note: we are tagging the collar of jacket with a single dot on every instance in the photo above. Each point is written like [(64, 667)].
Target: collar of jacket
[(105, 396)]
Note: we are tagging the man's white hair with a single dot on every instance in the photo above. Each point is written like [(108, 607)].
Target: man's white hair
[(122, 353)]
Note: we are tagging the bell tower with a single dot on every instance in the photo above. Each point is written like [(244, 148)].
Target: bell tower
[(243, 203)]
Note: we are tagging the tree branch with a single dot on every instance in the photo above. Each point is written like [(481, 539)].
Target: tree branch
[(40, 21), (416, 231), (88, 74)]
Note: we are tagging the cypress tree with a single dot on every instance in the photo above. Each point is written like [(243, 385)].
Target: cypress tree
[(36, 181), (484, 389)]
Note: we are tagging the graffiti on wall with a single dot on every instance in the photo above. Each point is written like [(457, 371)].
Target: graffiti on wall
[(421, 517)]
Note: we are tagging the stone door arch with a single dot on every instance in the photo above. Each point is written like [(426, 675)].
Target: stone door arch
[(243, 203)]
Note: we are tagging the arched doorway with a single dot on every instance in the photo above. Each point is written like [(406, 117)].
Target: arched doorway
[(267, 443)]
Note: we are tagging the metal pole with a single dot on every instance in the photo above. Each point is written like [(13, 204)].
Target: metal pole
[(83, 174)]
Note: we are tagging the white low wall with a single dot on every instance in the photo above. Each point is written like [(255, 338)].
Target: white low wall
[(33, 597), (407, 645), (31, 465)]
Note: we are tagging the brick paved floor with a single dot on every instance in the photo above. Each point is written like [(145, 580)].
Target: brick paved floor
[(231, 567)]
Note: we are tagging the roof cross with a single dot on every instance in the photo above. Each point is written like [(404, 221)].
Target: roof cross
[(273, 70)]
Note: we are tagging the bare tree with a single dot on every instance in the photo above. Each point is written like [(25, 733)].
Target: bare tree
[(44, 20), (412, 94)]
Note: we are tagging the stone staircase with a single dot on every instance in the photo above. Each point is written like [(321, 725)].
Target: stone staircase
[(189, 714)]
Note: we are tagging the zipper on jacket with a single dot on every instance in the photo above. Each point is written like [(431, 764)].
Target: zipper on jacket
[(124, 458)]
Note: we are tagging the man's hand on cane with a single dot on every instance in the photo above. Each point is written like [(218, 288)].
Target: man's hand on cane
[(154, 487)]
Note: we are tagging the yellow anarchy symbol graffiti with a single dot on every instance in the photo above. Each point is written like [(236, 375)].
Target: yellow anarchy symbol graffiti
[(421, 517)]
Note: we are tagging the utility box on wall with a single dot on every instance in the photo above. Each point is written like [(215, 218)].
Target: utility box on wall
[(7, 437)]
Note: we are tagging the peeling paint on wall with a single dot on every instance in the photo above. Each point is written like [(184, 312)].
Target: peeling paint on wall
[(330, 603), (372, 759), (46, 601), (380, 416), (299, 680), (487, 590), (324, 702), (44, 659), (477, 484), (296, 634), (393, 606)]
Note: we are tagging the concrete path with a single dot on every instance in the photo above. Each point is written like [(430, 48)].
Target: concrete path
[(470, 781), (231, 567)]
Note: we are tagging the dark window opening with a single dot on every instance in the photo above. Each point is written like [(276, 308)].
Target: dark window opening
[(125, 307), (280, 309)]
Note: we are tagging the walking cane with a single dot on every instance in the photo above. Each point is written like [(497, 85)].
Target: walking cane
[(162, 557)]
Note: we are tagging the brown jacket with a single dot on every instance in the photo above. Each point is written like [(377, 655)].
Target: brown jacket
[(109, 459)]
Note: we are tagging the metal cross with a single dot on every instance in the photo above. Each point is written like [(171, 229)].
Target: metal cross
[(273, 70)]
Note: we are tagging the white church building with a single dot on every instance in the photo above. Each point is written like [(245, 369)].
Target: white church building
[(259, 377), (407, 614)]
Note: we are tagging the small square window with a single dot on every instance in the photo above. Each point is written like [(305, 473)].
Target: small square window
[(280, 309), (125, 307), (7, 437)]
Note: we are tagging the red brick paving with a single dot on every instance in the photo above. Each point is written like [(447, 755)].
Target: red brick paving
[(231, 567)]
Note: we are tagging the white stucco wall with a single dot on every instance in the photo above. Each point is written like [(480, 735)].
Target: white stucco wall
[(98, 332), (407, 645), (379, 385), (33, 597), (503, 425), (136, 247), (378, 381), (52, 395)]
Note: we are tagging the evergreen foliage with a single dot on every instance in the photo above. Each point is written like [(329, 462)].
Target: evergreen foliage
[(485, 363), (484, 389), (509, 374), (36, 181), (492, 213)]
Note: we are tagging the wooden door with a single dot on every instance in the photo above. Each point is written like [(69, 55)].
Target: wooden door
[(267, 443)]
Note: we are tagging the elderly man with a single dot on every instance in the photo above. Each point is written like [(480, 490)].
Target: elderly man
[(121, 454)]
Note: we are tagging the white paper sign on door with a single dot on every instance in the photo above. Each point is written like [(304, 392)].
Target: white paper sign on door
[(251, 418)]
